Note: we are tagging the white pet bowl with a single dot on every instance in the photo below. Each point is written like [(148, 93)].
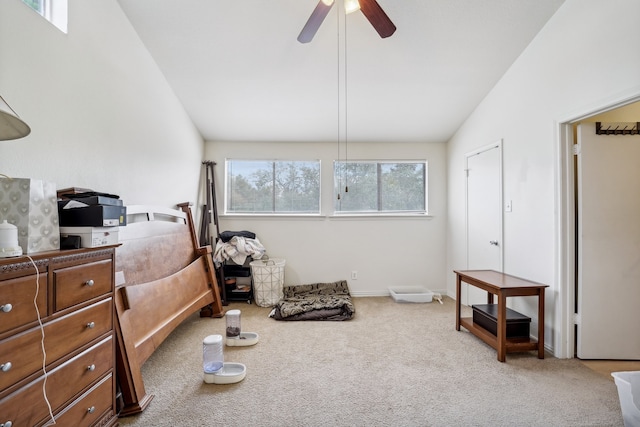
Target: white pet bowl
[(245, 339), (229, 374)]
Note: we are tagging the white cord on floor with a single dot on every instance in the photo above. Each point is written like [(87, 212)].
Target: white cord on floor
[(44, 353)]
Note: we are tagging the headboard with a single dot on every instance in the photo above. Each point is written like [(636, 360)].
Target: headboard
[(162, 277)]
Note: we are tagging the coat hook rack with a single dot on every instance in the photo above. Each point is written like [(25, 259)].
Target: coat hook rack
[(618, 128)]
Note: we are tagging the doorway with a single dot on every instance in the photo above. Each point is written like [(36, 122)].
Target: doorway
[(608, 245), (567, 236)]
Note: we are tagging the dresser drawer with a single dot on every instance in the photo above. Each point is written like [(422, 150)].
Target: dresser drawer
[(76, 374), (69, 332), (62, 336), (73, 285), (89, 407), (17, 295), (27, 406), (21, 356)]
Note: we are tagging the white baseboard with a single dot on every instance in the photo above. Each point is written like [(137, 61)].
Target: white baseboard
[(386, 293)]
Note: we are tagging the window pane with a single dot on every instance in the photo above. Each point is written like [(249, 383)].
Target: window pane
[(402, 187), (262, 186), (357, 185), (297, 187), (250, 185), (365, 187), (36, 5)]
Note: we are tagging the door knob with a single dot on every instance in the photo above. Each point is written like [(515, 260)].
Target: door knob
[(493, 242)]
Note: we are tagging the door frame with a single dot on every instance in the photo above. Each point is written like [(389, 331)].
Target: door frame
[(565, 222), (480, 150)]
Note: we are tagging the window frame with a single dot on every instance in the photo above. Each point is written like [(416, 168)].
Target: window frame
[(339, 182), (54, 11), (273, 196)]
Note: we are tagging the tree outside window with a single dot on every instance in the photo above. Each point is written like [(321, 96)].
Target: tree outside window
[(380, 187), (272, 187)]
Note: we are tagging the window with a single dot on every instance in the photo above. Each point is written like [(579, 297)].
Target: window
[(54, 11), (272, 187), (380, 187)]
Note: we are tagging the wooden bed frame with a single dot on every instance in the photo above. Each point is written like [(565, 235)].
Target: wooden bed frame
[(163, 276)]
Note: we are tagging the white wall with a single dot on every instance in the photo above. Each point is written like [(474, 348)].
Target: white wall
[(385, 251), (102, 115), (585, 56)]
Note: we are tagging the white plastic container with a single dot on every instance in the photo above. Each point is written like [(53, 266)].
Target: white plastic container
[(9, 246), (233, 323), (235, 336), (212, 354), (628, 383), (411, 294), (229, 374)]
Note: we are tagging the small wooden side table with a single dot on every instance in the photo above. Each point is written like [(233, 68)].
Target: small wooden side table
[(503, 285)]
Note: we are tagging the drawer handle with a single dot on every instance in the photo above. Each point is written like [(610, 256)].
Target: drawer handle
[(91, 368), (5, 367), (6, 308), (89, 282), (91, 325), (6, 424), (91, 410)]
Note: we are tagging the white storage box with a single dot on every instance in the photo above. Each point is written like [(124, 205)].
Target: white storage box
[(92, 237), (411, 294), (628, 383)]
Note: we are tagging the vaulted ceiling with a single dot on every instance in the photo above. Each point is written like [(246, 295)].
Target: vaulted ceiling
[(241, 74)]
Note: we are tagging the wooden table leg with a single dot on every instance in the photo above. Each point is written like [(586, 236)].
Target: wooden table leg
[(458, 283), (541, 324), (502, 327)]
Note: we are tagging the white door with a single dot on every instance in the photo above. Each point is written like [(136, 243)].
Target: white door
[(484, 216), (608, 293)]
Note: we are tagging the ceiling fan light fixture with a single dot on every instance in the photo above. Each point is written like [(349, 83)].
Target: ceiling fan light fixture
[(351, 6), (369, 8)]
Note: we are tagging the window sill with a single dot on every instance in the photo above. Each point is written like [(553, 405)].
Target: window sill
[(274, 216), (331, 217), (381, 216)]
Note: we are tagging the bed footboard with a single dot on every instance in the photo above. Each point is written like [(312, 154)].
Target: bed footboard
[(162, 277)]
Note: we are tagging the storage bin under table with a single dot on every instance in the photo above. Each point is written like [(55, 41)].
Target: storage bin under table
[(486, 315)]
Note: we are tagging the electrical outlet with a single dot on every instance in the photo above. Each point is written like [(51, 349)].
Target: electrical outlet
[(354, 275)]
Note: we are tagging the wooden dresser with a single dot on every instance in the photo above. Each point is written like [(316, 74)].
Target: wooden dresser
[(74, 295)]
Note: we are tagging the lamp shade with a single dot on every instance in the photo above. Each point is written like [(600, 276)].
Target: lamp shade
[(11, 126)]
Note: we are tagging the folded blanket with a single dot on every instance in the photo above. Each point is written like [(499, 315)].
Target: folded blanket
[(319, 301)]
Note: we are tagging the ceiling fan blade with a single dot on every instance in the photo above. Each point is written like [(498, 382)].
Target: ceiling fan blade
[(315, 20), (378, 18)]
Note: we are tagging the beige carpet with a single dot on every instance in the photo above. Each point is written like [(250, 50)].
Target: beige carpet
[(392, 365)]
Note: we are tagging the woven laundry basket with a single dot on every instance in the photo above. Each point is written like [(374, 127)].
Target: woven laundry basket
[(268, 280)]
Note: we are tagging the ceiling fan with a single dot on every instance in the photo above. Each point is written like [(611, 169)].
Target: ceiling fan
[(370, 9)]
